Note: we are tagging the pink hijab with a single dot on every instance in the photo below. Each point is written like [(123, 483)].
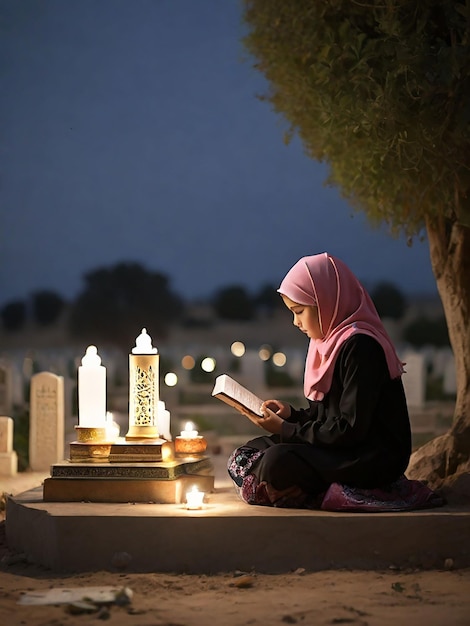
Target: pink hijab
[(344, 309)]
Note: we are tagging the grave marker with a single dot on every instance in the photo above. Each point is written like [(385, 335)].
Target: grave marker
[(46, 427), (8, 457), (414, 379)]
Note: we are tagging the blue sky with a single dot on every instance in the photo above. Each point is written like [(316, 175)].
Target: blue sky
[(131, 131)]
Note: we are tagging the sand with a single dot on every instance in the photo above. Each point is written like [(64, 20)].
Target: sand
[(372, 598)]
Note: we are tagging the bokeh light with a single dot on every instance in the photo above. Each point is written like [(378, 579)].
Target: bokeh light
[(238, 348), (171, 379), (188, 362), (208, 364), (279, 359), (265, 352)]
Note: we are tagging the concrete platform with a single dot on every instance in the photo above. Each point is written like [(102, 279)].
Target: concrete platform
[(228, 535)]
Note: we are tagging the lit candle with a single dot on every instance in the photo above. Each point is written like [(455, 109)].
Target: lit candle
[(91, 391), (190, 442), (163, 421), (189, 432), (112, 427), (194, 498)]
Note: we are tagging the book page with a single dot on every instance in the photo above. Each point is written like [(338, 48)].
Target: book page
[(245, 397), (230, 391)]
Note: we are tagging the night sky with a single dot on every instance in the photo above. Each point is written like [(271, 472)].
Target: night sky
[(131, 131)]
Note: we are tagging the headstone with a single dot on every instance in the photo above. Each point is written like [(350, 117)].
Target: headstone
[(449, 383), (46, 426), (6, 404), (295, 365), (8, 457), (252, 371), (414, 379)]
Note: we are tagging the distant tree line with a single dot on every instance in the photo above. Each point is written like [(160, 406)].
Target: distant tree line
[(116, 301)]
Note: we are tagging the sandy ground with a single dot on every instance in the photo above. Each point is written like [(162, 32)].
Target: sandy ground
[(372, 598), (356, 598)]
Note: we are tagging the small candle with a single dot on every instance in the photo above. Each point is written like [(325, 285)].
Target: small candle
[(163, 421), (189, 442), (92, 390), (112, 427), (194, 498), (189, 432)]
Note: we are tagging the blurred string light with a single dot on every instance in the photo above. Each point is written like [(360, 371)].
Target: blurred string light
[(208, 364), (171, 379), (237, 348), (279, 359), (188, 362), (265, 352)]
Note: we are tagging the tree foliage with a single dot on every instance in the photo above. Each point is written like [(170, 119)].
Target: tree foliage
[(118, 302), (424, 331), (378, 90), (47, 307), (14, 315), (389, 300), (234, 303), (268, 299)]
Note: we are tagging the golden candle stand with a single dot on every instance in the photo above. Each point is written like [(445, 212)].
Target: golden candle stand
[(141, 470)]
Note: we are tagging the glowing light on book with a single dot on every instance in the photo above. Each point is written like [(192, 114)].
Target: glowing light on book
[(194, 499), (208, 364), (237, 348), (91, 390)]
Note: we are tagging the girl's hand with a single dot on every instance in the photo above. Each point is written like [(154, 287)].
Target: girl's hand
[(277, 406), (275, 412), (272, 422)]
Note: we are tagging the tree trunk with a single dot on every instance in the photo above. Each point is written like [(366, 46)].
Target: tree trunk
[(449, 245)]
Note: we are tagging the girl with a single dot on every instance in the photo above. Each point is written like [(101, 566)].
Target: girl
[(355, 432)]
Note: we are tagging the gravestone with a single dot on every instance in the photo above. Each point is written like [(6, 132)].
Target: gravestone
[(252, 372), (414, 379), (46, 426), (6, 404), (449, 384), (295, 365), (8, 457)]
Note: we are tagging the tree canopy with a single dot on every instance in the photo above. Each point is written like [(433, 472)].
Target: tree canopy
[(378, 90), (47, 307), (389, 300), (119, 301)]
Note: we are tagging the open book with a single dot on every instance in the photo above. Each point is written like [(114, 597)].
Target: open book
[(229, 391)]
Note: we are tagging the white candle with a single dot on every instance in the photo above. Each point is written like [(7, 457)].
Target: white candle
[(194, 498), (91, 391), (112, 427), (163, 421), (189, 432)]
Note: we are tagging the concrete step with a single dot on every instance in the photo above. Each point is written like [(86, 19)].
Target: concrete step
[(227, 535)]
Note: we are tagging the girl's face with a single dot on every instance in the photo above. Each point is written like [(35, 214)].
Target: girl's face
[(305, 318)]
